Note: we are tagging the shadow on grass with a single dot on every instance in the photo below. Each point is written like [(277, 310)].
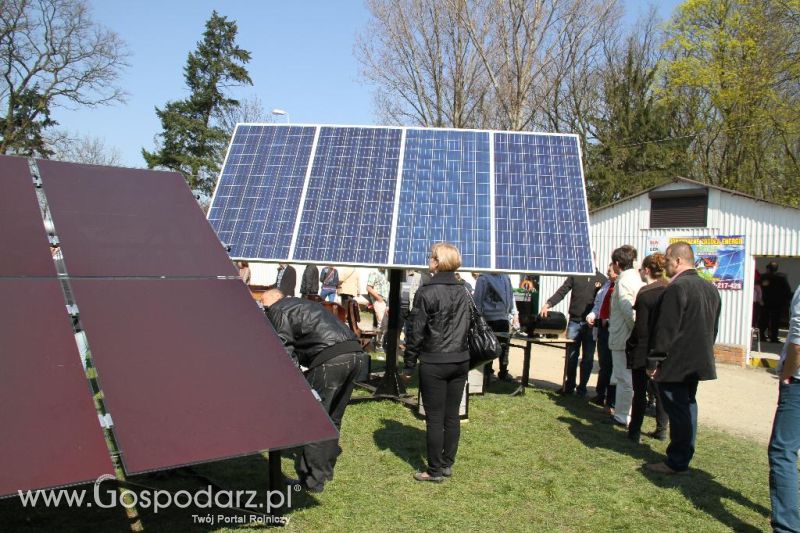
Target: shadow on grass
[(406, 442), (591, 427)]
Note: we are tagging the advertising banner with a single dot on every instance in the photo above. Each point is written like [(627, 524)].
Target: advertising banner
[(719, 259)]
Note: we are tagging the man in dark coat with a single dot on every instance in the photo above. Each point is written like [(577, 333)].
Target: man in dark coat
[(287, 279), (317, 341), (310, 282), (776, 294), (685, 325), (584, 289)]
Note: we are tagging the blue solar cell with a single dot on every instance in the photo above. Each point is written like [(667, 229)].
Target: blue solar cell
[(444, 196), (258, 196), (540, 208), (347, 216)]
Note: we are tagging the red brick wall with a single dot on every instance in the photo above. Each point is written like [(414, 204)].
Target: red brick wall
[(730, 354)]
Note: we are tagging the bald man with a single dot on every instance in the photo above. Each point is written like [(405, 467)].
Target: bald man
[(684, 326), (317, 341)]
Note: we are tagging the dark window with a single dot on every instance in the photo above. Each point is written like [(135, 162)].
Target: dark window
[(679, 209)]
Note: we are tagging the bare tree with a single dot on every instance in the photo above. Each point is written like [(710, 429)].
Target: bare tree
[(422, 61), (88, 149), (53, 54), (250, 109), (506, 64), (541, 57)]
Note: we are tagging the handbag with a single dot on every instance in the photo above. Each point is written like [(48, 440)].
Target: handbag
[(554, 322), (483, 345)]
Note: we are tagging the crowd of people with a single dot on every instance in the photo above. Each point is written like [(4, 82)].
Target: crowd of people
[(653, 324)]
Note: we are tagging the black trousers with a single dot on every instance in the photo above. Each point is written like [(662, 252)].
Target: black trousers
[(639, 405), (500, 326), (604, 388), (441, 387), (770, 319), (680, 403), (333, 381)]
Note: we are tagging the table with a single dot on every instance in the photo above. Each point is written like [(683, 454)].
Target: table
[(526, 365)]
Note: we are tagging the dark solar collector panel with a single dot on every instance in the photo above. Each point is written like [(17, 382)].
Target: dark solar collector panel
[(23, 239), (50, 431), (192, 372), (128, 222)]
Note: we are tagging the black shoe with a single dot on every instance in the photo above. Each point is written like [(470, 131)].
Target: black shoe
[(447, 471), (613, 421), (294, 482), (505, 376), (424, 476), (598, 400), (564, 392), (774, 341), (658, 435), (581, 392), (635, 437)]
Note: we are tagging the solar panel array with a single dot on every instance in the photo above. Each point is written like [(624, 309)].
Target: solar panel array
[(380, 196), (190, 368)]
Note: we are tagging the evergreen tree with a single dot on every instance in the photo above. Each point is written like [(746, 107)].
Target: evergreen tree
[(637, 140), (21, 131), (191, 141)]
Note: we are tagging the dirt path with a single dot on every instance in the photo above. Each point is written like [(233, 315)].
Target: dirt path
[(741, 401)]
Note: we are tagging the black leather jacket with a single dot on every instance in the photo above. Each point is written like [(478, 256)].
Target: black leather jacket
[(439, 322), (311, 334)]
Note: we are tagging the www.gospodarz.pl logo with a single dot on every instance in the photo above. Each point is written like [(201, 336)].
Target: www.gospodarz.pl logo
[(156, 500)]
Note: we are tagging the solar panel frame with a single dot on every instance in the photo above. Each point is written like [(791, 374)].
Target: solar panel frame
[(579, 204)]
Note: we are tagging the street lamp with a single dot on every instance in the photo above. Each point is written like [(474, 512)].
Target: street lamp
[(281, 112)]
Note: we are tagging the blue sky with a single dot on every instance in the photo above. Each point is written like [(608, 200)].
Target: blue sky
[(302, 62)]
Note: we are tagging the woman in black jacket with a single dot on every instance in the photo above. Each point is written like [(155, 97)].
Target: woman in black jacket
[(637, 348), (440, 322)]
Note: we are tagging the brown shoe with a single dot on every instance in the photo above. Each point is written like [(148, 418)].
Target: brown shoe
[(662, 468)]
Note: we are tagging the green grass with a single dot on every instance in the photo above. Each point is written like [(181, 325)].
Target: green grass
[(535, 463)]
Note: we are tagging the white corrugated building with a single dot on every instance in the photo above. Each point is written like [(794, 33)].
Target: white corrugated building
[(688, 208)]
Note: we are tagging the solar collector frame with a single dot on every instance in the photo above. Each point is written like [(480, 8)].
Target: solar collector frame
[(402, 254)]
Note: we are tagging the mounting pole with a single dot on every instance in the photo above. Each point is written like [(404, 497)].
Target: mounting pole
[(391, 386)]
